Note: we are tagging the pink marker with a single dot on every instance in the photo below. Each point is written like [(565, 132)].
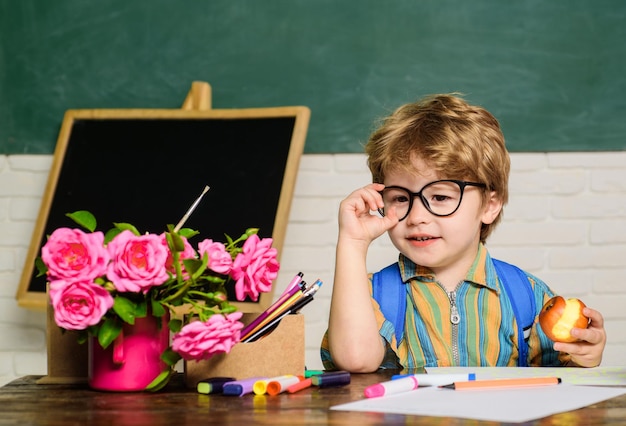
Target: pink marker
[(391, 387), (294, 282)]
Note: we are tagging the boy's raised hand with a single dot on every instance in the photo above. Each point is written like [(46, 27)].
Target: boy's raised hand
[(587, 352), (355, 218)]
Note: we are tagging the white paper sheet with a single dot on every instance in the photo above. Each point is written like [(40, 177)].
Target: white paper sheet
[(502, 405)]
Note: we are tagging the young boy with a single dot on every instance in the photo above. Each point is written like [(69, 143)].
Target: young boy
[(440, 171)]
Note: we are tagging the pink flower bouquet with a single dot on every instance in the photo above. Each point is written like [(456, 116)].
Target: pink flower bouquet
[(98, 282)]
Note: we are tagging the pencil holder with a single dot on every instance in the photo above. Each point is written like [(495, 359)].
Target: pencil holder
[(278, 353)]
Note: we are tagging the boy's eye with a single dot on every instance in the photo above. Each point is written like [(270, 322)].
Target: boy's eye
[(395, 196), (440, 198)]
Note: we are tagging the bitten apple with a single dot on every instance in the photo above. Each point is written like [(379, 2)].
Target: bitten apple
[(558, 316)]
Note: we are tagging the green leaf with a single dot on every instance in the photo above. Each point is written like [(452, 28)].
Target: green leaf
[(84, 219), (195, 267), (160, 381), (179, 244), (158, 310), (188, 233), (141, 310), (126, 309), (170, 357), (108, 332), (127, 227), (41, 267), (111, 233), (175, 325)]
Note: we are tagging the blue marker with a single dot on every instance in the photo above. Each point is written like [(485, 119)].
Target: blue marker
[(213, 384)]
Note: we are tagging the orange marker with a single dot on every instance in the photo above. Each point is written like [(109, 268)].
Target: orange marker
[(303, 384), (504, 383), (280, 385)]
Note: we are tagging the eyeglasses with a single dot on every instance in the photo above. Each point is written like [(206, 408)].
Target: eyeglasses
[(441, 197)]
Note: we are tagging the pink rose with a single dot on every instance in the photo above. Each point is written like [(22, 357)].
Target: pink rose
[(255, 268), (201, 340), (187, 253), (72, 254), (79, 304), (137, 262), (220, 260)]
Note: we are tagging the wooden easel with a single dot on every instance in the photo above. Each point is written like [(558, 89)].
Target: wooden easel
[(199, 97), (67, 359)]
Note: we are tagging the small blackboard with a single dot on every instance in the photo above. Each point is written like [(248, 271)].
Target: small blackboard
[(146, 167)]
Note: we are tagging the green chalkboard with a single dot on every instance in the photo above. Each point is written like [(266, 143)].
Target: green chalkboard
[(551, 71)]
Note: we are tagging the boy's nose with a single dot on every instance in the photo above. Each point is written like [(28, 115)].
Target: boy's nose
[(418, 213)]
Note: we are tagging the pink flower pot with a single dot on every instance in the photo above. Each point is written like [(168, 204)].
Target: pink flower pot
[(133, 360)]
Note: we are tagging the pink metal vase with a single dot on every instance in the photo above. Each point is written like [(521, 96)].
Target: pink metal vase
[(133, 360)]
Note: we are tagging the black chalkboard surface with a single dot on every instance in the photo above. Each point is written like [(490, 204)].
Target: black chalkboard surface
[(146, 167)]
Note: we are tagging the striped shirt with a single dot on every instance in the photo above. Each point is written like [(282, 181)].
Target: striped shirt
[(486, 334)]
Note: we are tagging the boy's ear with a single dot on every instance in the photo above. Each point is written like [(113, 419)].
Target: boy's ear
[(492, 208)]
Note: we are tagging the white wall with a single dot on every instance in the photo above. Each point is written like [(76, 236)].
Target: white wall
[(566, 223)]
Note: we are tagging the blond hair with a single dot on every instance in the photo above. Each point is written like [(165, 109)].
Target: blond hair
[(455, 139)]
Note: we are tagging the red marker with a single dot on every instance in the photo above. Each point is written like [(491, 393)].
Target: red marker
[(303, 384)]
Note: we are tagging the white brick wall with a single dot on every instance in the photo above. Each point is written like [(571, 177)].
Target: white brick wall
[(566, 223)]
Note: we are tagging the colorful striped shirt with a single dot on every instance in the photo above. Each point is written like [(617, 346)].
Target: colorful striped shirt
[(486, 334)]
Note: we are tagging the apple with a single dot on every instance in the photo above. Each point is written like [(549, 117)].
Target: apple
[(559, 315)]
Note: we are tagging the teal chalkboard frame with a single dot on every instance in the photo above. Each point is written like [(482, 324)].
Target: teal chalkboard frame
[(145, 166), (552, 72)]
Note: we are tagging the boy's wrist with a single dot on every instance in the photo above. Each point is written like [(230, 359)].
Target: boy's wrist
[(354, 245)]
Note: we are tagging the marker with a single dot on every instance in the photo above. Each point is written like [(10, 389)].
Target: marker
[(314, 287), (265, 329), (260, 386), (310, 373), (504, 383), (240, 387), (437, 379), (294, 282), (213, 384), (279, 386), (335, 378), (303, 384), (391, 387), (265, 315)]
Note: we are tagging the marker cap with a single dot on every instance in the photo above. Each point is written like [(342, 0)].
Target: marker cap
[(374, 391)]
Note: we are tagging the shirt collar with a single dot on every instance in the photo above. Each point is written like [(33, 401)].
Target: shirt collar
[(482, 271)]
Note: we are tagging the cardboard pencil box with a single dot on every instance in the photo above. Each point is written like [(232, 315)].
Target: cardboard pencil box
[(278, 353)]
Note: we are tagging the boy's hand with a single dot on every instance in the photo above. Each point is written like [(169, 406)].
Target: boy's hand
[(355, 220), (588, 351)]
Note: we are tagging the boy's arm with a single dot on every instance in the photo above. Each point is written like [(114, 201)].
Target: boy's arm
[(354, 341), (353, 337)]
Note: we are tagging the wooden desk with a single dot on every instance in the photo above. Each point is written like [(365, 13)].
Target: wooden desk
[(23, 402)]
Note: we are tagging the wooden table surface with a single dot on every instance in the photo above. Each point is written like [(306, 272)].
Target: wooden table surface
[(24, 402)]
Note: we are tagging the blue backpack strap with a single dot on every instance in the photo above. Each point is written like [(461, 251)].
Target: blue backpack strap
[(390, 293), (517, 287)]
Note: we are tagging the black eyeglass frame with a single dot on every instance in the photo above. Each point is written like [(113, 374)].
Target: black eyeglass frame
[(461, 183)]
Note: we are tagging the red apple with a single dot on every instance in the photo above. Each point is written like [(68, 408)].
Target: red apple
[(558, 316)]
